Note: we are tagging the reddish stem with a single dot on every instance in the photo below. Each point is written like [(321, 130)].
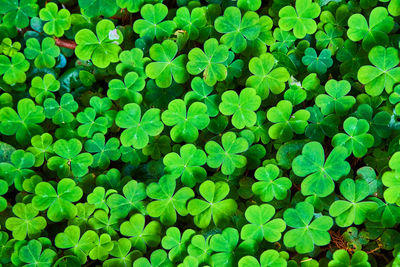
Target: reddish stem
[(70, 44)]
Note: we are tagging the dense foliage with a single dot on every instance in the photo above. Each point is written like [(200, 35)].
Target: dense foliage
[(200, 133)]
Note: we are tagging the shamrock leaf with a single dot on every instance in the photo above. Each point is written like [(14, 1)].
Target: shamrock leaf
[(69, 160), (122, 252), (23, 124), (285, 124), (141, 235), (210, 61), (44, 54), (14, 71), (131, 61), (336, 101), (60, 113), (41, 148), (166, 201), (391, 179), (18, 169), (269, 257), (317, 64), (3, 190), (76, 244), (341, 258), (215, 207), (384, 74), (330, 38), (43, 88), (166, 65), (127, 90), (176, 243), (242, 107), (134, 193), (138, 128), (102, 248), (227, 155), (201, 92), (227, 249), (269, 185), (357, 139), (27, 223), (301, 19), (320, 125), (152, 25), (353, 209), (58, 203), (32, 255), (307, 232), (265, 77), (57, 21), (94, 8), (90, 124), (157, 258), (260, 224), (237, 30), (103, 151), (187, 165), (185, 123), (191, 21), (320, 174), (372, 33), (17, 13), (102, 49)]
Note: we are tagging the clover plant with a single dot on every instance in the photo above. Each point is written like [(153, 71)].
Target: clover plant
[(196, 133)]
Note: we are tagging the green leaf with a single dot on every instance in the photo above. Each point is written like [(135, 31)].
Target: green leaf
[(265, 77), (102, 48), (167, 202), (210, 62), (141, 235), (57, 21), (356, 139), (336, 100), (27, 223), (285, 124), (187, 165), (152, 25), (242, 107), (127, 91), (14, 71), (260, 224), (269, 185), (237, 30), (32, 255), (69, 160), (24, 124), (317, 64), (138, 128), (185, 123), (320, 174), (76, 244), (307, 233), (44, 54), (96, 8), (227, 156), (166, 65), (215, 207), (299, 19), (341, 258), (57, 203), (372, 33), (384, 74)]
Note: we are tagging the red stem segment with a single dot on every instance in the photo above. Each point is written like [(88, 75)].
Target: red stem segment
[(70, 44)]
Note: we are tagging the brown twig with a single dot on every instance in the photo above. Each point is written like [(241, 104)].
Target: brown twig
[(70, 44)]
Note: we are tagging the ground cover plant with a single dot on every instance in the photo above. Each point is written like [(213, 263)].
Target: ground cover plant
[(200, 133)]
